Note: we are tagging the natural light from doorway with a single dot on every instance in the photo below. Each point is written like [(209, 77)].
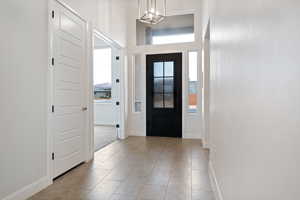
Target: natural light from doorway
[(172, 39), (102, 74), (102, 66)]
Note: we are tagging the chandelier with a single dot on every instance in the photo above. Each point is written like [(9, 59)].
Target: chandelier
[(149, 11)]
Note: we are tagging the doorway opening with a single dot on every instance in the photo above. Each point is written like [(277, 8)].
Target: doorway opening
[(105, 93), (164, 95)]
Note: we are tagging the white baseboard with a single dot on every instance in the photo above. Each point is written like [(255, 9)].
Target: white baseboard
[(185, 135), (29, 190), (135, 133), (191, 135), (214, 182), (124, 134)]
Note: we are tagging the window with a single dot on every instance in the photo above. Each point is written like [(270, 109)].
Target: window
[(102, 74), (174, 29), (137, 79), (163, 85), (176, 38), (193, 81)]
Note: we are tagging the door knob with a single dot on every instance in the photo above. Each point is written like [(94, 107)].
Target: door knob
[(84, 108)]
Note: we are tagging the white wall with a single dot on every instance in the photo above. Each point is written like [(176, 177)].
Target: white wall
[(108, 16), (87, 9), (206, 87), (136, 122), (23, 64), (112, 19), (255, 99)]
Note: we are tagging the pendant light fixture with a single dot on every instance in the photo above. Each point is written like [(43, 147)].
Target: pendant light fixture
[(150, 14)]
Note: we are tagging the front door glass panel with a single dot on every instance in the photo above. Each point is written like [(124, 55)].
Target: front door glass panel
[(163, 85)]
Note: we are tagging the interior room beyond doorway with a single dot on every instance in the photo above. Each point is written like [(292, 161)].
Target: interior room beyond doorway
[(104, 109)]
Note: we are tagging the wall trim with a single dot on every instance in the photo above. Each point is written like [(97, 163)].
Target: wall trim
[(191, 135), (185, 135), (136, 133), (30, 189), (214, 182)]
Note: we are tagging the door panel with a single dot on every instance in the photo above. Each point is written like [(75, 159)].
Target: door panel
[(67, 75), (70, 26), (164, 95), (68, 91)]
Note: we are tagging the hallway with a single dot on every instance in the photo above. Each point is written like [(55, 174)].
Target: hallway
[(148, 168)]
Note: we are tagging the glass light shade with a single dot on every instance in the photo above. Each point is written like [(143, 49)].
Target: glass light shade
[(151, 15)]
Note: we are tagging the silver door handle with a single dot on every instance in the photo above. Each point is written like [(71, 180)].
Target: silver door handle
[(84, 108)]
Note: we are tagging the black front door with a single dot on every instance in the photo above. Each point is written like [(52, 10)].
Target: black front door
[(164, 95)]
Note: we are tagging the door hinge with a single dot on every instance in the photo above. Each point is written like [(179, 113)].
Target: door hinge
[(52, 14), (52, 108), (52, 156), (52, 61)]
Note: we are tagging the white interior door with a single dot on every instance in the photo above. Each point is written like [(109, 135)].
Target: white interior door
[(116, 83), (68, 121)]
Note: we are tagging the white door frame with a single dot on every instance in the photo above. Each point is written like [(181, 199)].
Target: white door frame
[(183, 48), (121, 117), (49, 89)]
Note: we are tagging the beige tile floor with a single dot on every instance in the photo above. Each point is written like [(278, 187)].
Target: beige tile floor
[(138, 168)]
